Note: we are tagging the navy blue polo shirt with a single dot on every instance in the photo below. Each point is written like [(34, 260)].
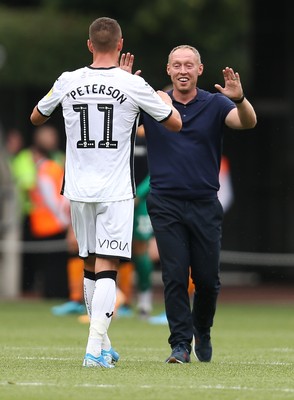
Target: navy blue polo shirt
[(186, 164)]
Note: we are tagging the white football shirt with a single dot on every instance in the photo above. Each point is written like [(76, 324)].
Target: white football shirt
[(101, 107)]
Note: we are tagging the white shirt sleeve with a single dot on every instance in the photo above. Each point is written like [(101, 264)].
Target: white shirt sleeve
[(53, 98), (150, 101)]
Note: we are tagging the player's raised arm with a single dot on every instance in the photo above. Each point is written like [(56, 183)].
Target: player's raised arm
[(37, 118)]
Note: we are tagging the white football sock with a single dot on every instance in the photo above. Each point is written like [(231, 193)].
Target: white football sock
[(103, 303), (89, 287), (106, 344)]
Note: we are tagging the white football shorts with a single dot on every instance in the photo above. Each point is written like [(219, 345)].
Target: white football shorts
[(104, 229)]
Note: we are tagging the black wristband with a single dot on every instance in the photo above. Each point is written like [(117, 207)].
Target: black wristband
[(239, 101)]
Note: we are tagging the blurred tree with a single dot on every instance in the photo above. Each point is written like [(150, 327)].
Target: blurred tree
[(21, 3), (39, 46), (42, 42), (39, 39)]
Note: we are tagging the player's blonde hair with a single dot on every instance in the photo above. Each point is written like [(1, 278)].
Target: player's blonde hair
[(104, 34), (185, 46)]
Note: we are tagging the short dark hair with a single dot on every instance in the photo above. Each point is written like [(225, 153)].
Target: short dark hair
[(104, 34)]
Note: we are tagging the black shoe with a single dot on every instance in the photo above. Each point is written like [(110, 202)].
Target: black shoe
[(180, 354), (202, 346)]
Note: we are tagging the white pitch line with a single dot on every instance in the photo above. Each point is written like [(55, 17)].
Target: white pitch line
[(282, 350), (257, 363), (48, 358), (44, 348), (245, 388), (178, 387), (271, 363)]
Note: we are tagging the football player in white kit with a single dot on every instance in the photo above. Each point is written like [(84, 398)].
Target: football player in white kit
[(101, 104)]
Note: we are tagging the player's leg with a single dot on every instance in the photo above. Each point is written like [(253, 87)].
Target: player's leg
[(106, 230), (84, 225), (113, 242), (125, 289), (144, 269), (89, 289), (75, 268), (102, 308), (143, 264), (89, 282)]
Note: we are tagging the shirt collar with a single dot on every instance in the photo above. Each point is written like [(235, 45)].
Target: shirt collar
[(199, 97)]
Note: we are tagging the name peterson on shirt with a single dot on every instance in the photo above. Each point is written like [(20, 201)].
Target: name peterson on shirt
[(98, 89)]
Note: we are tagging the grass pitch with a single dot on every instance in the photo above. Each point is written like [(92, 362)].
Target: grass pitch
[(41, 357)]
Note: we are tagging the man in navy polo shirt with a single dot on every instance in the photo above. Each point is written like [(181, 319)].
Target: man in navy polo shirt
[(185, 212)]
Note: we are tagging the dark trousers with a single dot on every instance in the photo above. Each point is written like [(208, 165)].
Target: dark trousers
[(188, 236)]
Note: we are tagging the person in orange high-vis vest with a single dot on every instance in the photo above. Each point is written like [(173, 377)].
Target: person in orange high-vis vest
[(49, 215), (49, 219)]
